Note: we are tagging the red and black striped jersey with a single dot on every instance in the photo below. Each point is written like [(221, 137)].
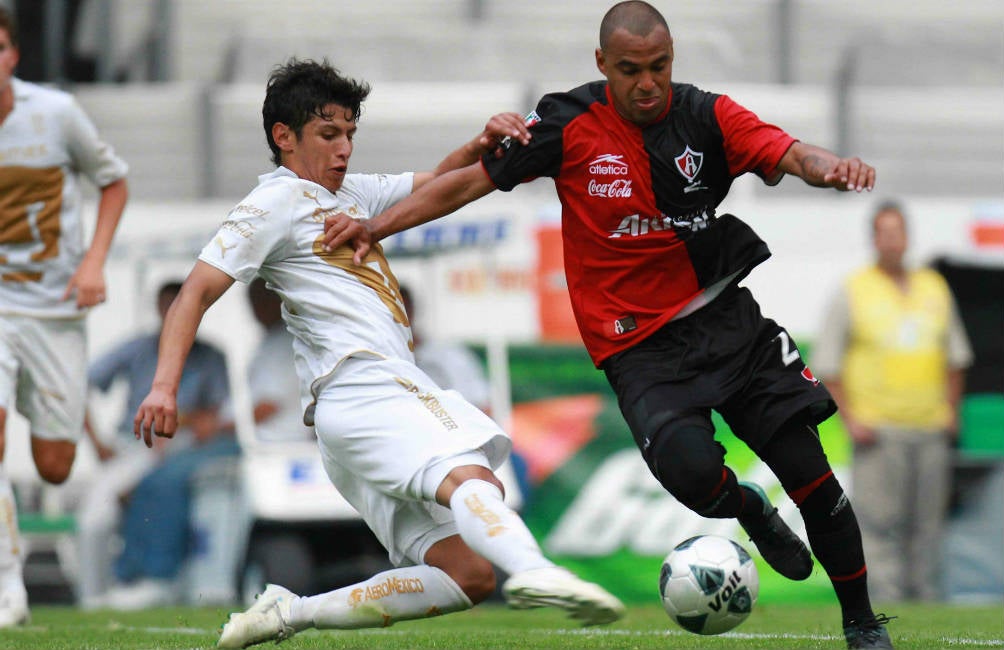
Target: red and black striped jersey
[(640, 233)]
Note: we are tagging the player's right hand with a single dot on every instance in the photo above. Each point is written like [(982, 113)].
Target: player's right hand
[(342, 229), (157, 416)]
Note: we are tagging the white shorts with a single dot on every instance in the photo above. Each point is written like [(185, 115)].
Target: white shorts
[(389, 436), (44, 363)]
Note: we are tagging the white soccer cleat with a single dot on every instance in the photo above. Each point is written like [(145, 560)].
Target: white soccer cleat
[(266, 620), (13, 606), (558, 587)]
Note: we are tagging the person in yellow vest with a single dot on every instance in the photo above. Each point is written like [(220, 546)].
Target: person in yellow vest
[(892, 351)]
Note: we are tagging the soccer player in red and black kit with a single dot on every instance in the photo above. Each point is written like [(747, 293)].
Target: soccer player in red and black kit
[(640, 164)]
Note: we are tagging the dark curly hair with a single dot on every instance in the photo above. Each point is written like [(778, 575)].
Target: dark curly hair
[(298, 90)]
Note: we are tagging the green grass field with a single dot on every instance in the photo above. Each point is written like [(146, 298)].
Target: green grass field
[(777, 627)]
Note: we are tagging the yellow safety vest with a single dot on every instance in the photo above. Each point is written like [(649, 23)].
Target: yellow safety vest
[(895, 369)]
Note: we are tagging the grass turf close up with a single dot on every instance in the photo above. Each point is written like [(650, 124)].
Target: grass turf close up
[(778, 627)]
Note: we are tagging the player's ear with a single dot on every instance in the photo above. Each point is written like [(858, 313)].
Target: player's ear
[(601, 62), (284, 137)]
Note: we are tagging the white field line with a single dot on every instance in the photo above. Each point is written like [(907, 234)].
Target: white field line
[(948, 641)]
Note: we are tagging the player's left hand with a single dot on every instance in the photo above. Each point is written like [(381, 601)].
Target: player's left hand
[(88, 283), (342, 229), (851, 174), (500, 127)]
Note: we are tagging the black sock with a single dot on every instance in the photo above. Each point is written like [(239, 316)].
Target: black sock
[(836, 542), (726, 501)]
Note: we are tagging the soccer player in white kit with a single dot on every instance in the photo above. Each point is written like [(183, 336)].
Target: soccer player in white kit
[(48, 280), (415, 460)]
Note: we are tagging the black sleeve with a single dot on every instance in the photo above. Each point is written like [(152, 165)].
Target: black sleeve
[(541, 157)]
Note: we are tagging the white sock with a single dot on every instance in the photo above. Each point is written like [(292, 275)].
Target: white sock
[(493, 530), (10, 537), (386, 598)]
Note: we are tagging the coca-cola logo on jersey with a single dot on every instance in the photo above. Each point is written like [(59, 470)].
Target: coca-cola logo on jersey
[(618, 189)]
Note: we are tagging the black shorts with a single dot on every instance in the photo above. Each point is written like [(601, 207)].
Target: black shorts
[(725, 356)]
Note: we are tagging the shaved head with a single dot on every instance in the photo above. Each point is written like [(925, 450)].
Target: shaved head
[(637, 17)]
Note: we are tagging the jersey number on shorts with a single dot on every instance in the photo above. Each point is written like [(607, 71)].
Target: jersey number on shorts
[(30, 204), (789, 353)]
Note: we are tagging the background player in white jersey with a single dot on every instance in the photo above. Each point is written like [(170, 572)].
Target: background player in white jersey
[(272, 380), (414, 459), (48, 280)]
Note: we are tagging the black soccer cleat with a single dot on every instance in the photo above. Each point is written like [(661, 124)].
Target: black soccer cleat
[(777, 543), (868, 633)]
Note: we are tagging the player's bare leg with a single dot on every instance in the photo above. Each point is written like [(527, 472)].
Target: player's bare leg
[(53, 458), (13, 596)]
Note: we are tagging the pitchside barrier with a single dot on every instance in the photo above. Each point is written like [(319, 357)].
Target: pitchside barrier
[(597, 509)]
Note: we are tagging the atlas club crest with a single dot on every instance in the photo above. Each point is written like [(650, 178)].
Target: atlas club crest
[(688, 164)]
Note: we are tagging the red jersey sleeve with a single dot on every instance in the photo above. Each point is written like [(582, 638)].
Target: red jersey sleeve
[(750, 144)]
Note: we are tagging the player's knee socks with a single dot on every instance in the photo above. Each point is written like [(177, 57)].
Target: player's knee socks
[(835, 538), (493, 530), (397, 595), (726, 499), (690, 465), (10, 538)]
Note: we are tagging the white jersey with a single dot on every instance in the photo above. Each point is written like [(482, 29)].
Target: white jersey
[(332, 307), (44, 143)]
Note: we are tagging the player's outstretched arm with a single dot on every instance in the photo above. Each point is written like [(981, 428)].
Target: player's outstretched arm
[(822, 168), (438, 198), (158, 413), (497, 129), (469, 184)]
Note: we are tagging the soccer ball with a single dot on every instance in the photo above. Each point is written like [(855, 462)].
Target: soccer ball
[(708, 584)]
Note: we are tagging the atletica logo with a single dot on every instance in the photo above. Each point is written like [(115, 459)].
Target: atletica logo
[(430, 402), (608, 165), (385, 588)]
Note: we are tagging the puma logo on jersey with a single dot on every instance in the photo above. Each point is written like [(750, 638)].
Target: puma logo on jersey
[(223, 247), (312, 197)]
